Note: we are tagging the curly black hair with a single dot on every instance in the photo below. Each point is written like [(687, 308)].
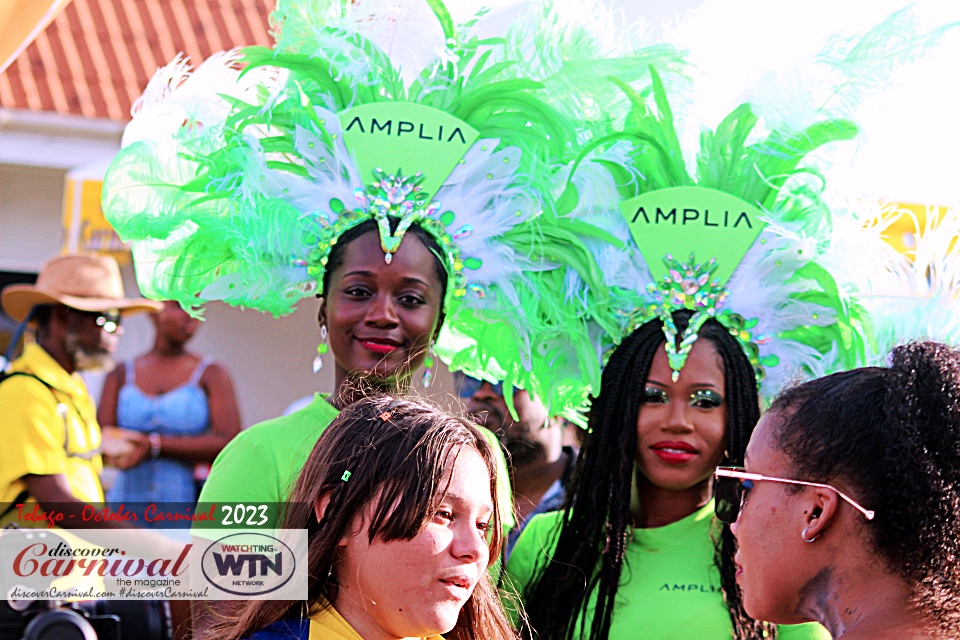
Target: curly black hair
[(892, 436), (596, 521)]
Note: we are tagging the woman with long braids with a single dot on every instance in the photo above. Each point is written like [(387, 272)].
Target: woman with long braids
[(727, 287), (641, 506), (848, 507)]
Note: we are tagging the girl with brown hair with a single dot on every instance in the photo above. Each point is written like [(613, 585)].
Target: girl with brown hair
[(400, 504)]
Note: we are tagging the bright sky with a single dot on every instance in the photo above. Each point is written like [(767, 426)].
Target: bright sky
[(910, 145), (911, 131)]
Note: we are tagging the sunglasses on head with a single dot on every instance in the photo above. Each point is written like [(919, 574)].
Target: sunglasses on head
[(467, 386), (733, 484), (109, 321)]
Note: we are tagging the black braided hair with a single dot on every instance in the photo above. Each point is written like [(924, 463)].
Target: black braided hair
[(892, 437), (596, 521)]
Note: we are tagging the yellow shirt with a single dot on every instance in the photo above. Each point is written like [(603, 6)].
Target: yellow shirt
[(48, 430), (330, 625)]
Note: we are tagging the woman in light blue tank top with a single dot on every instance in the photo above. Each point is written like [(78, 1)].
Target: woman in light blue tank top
[(175, 408), (182, 411)]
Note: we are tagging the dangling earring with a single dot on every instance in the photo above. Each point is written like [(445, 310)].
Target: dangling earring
[(428, 364), (321, 349)]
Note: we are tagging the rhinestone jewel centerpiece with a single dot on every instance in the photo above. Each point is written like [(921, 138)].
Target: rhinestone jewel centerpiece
[(395, 199), (690, 285)]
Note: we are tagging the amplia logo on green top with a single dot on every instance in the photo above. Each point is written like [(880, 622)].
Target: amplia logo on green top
[(60, 564)]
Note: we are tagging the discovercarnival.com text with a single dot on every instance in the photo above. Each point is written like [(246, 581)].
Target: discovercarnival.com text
[(52, 593)]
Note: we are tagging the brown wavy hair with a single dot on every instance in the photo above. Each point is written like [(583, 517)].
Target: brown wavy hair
[(397, 450)]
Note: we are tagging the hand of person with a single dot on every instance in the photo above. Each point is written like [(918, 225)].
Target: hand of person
[(114, 444), (124, 448)]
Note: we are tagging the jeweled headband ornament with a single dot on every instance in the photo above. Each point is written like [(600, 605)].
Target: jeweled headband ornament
[(760, 276), (769, 259), (743, 236), (393, 133)]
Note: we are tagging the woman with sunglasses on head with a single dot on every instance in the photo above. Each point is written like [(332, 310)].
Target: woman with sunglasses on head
[(849, 503), (174, 409), (399, 501)]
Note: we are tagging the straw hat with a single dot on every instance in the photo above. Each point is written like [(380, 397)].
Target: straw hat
[(87, 282)]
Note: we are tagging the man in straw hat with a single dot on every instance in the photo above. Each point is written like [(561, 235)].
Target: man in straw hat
[(51, 439)]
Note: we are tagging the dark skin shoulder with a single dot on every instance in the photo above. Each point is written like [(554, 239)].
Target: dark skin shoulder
[(224, 414)]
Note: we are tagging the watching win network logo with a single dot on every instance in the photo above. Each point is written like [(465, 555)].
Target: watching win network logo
[(249, 564)]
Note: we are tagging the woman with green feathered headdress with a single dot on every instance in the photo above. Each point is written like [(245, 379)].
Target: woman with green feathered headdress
[(736, 293), (409, 206), (259, 187), (318, 164), (678, 395), (316, 170)]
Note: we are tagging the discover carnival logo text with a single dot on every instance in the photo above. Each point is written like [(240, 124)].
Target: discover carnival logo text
[(137, 564)]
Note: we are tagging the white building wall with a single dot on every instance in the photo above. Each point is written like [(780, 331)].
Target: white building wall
[(30, 200)]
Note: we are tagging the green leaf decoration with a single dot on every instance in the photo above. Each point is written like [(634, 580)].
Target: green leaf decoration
[(567, 201)]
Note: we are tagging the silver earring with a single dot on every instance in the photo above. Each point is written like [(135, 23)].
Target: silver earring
[(321, 349), (804, 536), (329, 579), (428, 364)]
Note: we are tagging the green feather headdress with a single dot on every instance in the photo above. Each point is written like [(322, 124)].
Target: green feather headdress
[(741, 232), (242, 201), (237, 178), (759, 259)]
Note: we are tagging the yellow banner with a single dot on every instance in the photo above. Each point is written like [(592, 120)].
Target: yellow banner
[(913, 220), (85, 228)]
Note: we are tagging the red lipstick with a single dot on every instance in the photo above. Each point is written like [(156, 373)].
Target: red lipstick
[(672, 452), (379, 346)]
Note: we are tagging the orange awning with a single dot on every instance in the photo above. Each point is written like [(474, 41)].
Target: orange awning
[(21, 21)]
